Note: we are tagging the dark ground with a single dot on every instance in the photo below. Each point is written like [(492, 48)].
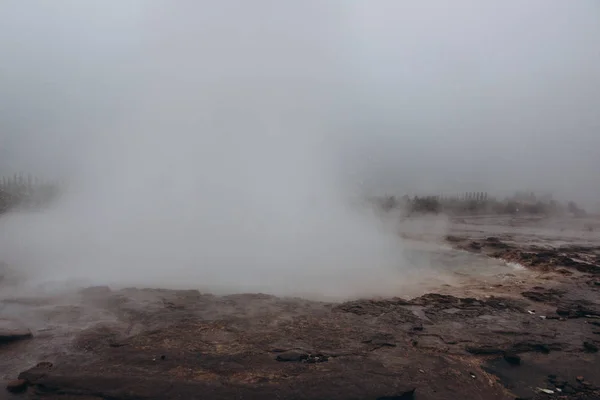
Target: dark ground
[(503, 340)]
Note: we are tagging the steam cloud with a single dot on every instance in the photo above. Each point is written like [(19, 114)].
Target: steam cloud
[(221, 146), (218, 175)]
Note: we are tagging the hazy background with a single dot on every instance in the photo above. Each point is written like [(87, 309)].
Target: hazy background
[(219, 142)]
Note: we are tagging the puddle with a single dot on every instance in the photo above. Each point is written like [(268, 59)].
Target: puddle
[(432, 267)]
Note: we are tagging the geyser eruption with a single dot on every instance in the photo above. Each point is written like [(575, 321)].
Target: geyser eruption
[(219, 173)]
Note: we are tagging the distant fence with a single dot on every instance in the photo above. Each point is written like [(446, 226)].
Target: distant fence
[(25, 191)]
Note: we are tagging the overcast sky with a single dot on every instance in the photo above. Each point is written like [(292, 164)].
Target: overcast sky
[(400, 96)]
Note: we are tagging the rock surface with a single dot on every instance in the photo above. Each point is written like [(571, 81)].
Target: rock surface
[(481, 341)]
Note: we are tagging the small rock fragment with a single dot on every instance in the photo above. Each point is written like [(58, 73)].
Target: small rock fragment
[(16, 386)]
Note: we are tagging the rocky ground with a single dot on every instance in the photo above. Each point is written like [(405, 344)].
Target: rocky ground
[(533, 333)]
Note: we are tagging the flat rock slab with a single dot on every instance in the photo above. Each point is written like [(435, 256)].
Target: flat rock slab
[(11, 330)]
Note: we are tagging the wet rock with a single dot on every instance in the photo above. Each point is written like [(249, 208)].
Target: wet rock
[(436, 299), (484, 350), (292, 356), (590, 347), (301, 356), (515, 348), (316, 358), (475, 246), (543, 295), (434, 343), (565, 272), (512, 358), (381, 340), (408, 395), (36, 373), (394, 307), (12, 330), (563, 311), (536, 347), (44, 364), (568, 389), (17, 386), (578, 309), (588, 268), (494, 242)]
